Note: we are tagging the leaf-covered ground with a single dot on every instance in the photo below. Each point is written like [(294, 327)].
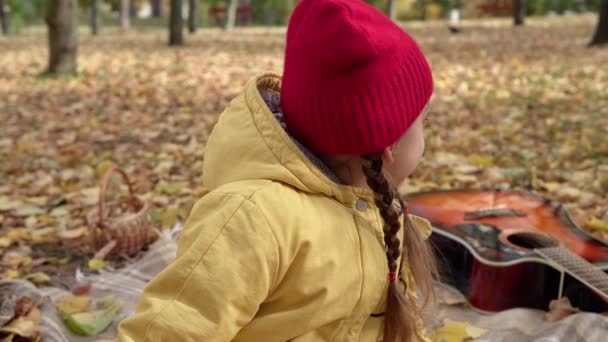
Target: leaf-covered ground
[(522, 108)]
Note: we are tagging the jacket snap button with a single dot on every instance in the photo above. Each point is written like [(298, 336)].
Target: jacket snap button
[(361, 204)]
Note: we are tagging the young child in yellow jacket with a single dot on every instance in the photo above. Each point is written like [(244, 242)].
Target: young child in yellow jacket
[(302, 235)]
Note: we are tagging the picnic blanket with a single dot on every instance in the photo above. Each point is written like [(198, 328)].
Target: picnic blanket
[(516, 325)]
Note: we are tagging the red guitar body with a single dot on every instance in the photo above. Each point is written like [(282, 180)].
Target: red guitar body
[(505, 249)]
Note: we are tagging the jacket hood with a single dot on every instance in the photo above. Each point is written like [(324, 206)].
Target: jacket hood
[(249, 143)]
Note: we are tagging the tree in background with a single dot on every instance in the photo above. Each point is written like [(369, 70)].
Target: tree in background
[(176, 23), (601, 32), (391, 9), (133, 6), (157, 8), (519, 12), (62, 22), (124, 14), (231, 7), (95, 17), (192, 15), (422, 5), (4, 18)]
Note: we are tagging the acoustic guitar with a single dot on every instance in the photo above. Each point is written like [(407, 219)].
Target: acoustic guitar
[(505, 249)]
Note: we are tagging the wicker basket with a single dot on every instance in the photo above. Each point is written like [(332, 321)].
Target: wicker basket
[(129, 231)]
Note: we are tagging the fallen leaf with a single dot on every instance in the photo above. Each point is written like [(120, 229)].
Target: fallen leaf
[(7, 203), (74, 304), (28, 210), (71, 234), (568, 193), (17, 234), (170, 216), (170, 187), (23, 306), (31, 222), (24, 326), (453, 331), (96, 264), (59, 211), (466, 169), (82, 290), (38, 278), (598, 224), (93, 322), (41, 235), (89, 196), (5, 242), (10, 274), (103, 167)]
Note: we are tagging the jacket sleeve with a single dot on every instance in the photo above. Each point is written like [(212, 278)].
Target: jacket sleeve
[(226, 265)]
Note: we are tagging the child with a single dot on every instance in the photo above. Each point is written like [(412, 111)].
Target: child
[(301, 236)]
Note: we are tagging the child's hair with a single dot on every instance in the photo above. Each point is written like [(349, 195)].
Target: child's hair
[(402, 312)]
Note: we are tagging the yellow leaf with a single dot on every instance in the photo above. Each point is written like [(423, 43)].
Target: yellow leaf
[(103, 166), (31, 222), (90, 196), (43, 235), (59, 211), (38, 278), (550, 186), (45, 219), (24, 326), (451, 332), (28, 210), (5, 242), (598, 224), (70, 234), (480, 161), (170, 216), (465, 169), (16, 258), (454, 331), (10, 274), (19, 234), (475, 332), (74, 304), (96, 264), (6, 203), (170, 187)]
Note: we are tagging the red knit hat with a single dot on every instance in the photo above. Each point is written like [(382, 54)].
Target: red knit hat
[(353, 82)]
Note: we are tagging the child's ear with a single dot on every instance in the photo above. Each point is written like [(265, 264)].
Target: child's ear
[(387, 156)]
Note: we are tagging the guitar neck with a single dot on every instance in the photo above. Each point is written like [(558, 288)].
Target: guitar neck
[(577, 267)]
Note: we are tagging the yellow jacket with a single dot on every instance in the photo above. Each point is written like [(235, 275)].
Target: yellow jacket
[(274, 251)]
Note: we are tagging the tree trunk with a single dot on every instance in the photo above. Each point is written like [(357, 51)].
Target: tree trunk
[(601, 32), (176, 23), (231, 7), (133, 8), (62, 22), (4, 18), (95, 18), (422, 4), (157, 8), (124, 14), (193, 15), (519, 12), (290, 6), (391, 10)]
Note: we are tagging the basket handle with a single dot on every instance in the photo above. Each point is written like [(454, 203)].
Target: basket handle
[(104, 187)]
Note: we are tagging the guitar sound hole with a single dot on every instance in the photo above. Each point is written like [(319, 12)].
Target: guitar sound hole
[(527, 240)]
